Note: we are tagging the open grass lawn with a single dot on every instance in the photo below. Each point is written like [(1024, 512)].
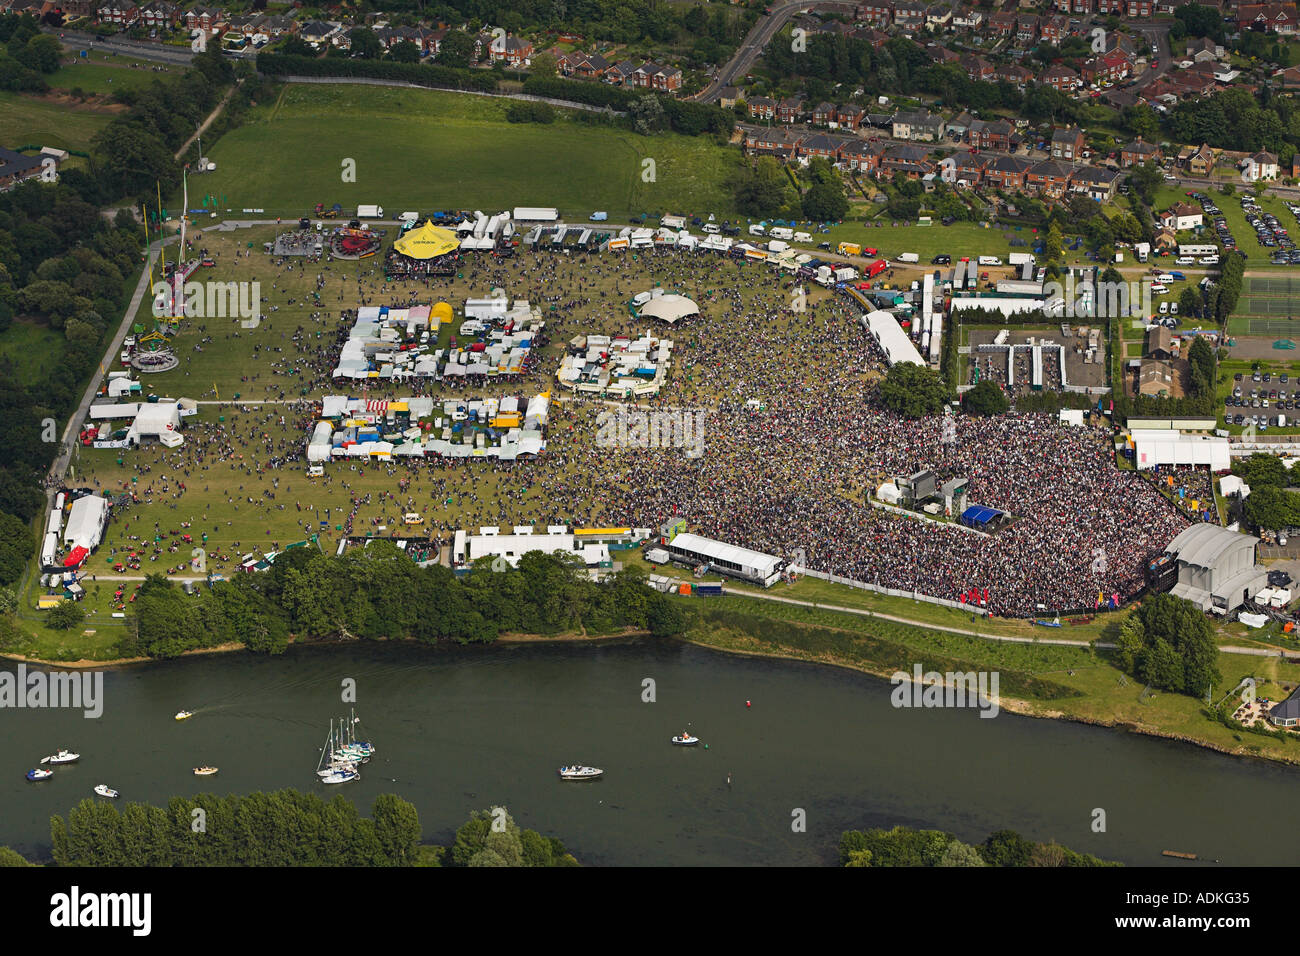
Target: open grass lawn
[(105, 75), (29, 120), (423, 150)]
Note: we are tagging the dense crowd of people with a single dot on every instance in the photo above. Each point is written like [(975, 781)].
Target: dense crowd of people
[(795, 442)]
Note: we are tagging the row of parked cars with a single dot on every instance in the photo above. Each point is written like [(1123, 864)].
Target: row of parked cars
[(1217, 219), (1270, 233), (1264, 399)]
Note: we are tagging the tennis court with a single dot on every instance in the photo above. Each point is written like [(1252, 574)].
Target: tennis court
[(1272, 285), (1258, 306), (1273, 327)]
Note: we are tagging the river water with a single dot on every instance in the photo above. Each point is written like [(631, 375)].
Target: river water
[(459, 729)]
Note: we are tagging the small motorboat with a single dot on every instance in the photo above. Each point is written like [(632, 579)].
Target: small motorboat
[(37, 774), (63, 756), (579, 772), (184, 714), (685, 740), (104, 790), (204, 771)]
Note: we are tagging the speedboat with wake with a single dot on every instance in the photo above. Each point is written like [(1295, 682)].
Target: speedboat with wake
[(579, 772), (63, 756), (104, 790), (37, 774), (184, 714)]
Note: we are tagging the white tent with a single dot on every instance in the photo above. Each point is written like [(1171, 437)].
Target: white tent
[(1233, 485), (1163, 447), (154, 420), (85, 527), (670, 308), (888, 493)]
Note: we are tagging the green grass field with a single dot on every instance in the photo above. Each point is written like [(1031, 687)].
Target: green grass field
[(26, 120), (104, 75), (421, 149), (30, 351)]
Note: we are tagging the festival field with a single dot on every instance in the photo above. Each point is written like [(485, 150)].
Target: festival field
[(425, 150)]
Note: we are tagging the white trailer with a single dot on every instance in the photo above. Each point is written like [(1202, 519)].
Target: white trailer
[(370, 212), (1021, 258), (673, 222), (535, 214)]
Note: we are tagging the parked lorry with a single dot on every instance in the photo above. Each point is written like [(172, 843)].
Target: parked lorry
[(370, 212), (877, 267), (673, 222), (990, 261), (849, 249), (1021, 258)]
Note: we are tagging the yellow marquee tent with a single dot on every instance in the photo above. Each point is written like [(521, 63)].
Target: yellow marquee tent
[(427, 242)]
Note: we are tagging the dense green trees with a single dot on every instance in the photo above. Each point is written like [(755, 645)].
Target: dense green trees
[(986, 398), (1168, 643), (284, 828), (912, 390), (492, 838), (904, 846), (378, 592)]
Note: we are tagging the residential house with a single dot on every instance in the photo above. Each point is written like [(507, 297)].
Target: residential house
[(995, 135), (15, 167), (591, 66), (160, 15), (878, 14), (772, 141), (761, 107), (960, 125), (1261, 165), (969, 20), (1063, 78), (1008, 173), (1012, 73), (515, 52), (1026, 28), (1201, 162), (1067, 144), (1139, 9), (315, 32), (1050, 178), (729, 96), (1138, 152), (969, 168), (1054, 29), (1003, 24), (1181, 217), (911, 161), (790, 109), (655, 76), (1095, 182), (850, 116), (118, 13), (1110, 7), (1269, 17), (1155, 379), (823, 114), (620, 74), (938, 17), (861, 155), (1160, 344), (1201, 49), (1108, 67), (921, 127), (909, 15), (977, 68), (823, 145)]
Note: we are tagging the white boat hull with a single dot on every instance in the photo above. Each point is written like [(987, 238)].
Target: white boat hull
[(581, 773), (104, 791)]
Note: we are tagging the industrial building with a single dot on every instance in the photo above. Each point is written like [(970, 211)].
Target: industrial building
[(1216, 567), (891, 338), (509, 548)]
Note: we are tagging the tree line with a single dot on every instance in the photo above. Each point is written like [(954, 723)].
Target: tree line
[(378, 592), (905, 846), (1168, 643)]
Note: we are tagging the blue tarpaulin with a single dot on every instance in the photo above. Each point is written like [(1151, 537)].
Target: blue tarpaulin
[(977, 515)]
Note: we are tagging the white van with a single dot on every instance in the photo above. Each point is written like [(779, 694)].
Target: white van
[(990, 261), (781, 232), (712, 228), (1164, 277), (641, 298), (908, 257), (1209, 260), (757, 229)]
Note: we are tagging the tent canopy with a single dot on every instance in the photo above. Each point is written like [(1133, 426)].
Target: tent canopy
[(427, 242)]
